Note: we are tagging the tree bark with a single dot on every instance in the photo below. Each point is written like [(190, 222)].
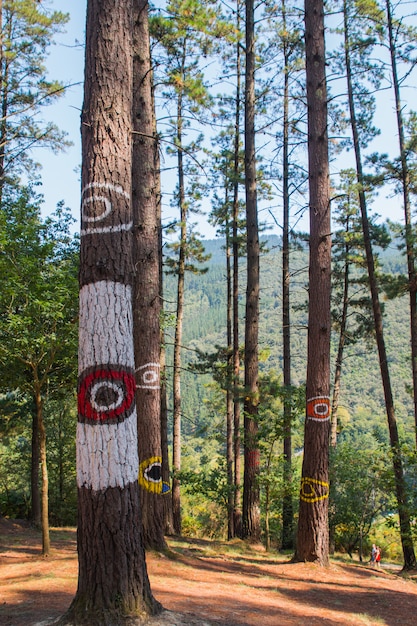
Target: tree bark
[(147, 305), (251, 510), (312, 536), (113, 585)]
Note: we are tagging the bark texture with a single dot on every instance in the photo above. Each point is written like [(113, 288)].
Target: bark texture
[(113, 585), (312, 537), (147, 306)]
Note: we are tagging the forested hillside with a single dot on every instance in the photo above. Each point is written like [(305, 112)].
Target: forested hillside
[(205, 328)]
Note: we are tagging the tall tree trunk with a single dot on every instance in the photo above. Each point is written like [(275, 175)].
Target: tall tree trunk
[(287, 541), (61, 470), (35, 515), (229, 389), (146, 302), (46, 543), (340, 349), (176, 444), (251, 511), (405, 180), (336, 382), (113, 584), (167, 501), (312, 536), (237, 512), (403, 511)]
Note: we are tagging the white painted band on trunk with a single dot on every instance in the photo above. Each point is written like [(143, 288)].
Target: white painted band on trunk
[(107, 455), (105, 312)]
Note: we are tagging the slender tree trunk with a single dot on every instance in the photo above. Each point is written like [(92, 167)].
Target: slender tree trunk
[(176, 444), (312, 536), (268, 500), (251, 511), (61, 473), (336, 384), (146, 307), (113, 585), (340, 349), (229, 390), (237, 512), (403, 511), (34, 472), (287, 541), (167, 501), (46, 544), (405, 180)]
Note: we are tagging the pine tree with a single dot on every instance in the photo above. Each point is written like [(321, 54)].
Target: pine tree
[(251, 527), (113, 585), (312, 536), (147, 304)]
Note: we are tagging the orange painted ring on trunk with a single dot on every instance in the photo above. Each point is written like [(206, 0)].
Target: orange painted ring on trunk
[(318, 408)]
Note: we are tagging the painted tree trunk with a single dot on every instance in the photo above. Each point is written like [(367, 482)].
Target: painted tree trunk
[(312, 536), (251, 510), (113, 583), (147, 307)]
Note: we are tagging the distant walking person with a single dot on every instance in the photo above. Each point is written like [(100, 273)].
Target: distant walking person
[(373, 555), (378, 556)]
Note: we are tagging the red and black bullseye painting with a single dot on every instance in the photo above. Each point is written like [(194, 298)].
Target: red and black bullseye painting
[(106, 394)]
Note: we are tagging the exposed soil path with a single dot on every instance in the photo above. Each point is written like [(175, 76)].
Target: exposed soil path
[(208, 582)]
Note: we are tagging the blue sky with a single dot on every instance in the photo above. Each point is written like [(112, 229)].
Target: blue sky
[(65, 63), (60, 173)]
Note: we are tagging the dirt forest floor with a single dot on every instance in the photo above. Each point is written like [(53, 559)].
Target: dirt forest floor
[(202, 582)]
